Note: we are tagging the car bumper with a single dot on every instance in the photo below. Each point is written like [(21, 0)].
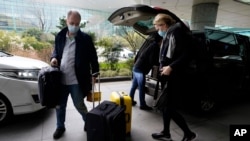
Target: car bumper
[(22, 94)]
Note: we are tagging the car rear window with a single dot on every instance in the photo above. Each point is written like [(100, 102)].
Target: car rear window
[(224, 37), (146, 23)]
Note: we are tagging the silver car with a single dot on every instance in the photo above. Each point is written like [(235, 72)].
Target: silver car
[(18, 85)]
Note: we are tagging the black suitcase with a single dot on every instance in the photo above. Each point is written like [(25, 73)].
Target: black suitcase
[(49, 85), (106, 122)]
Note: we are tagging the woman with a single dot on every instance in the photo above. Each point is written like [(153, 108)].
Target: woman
[(173, 59), (145, 59)]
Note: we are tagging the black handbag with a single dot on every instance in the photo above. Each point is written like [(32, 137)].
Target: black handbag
[(161, 100), (49, 85)]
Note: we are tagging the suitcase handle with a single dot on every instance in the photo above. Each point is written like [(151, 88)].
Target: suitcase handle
[(97, 74), (104, 107)]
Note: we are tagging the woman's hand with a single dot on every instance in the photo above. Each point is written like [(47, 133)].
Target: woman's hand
[(166, 70)]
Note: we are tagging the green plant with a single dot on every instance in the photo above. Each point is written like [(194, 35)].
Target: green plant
[(33, 32), (104, 66), (122, 69), (130, 63), (134, 39), (111, 52), (124, 72), (31, 42), (108, 73), (7, 39)]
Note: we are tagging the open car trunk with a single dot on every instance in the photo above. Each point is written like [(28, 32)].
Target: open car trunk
[(140, 17), (221, 59)]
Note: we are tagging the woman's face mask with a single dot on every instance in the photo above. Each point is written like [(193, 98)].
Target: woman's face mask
[(162, 33), (73, 29)]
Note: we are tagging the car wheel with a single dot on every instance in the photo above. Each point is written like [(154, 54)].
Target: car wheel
[(5, 110), (207, 104)]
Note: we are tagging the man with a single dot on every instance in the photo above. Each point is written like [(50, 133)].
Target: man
[(145, 59), (75, 54), (174, 56)]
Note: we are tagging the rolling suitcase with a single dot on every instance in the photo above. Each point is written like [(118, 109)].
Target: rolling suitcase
[(122, 98), (49, 85), (106, 122)]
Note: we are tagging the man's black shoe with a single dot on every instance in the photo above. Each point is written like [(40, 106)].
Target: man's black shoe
[(134, 103), (145, 107), (190, 137), (161, 136), (58, 133)]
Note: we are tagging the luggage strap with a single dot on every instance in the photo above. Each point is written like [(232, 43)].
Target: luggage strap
[(123, 104), (121, 99)]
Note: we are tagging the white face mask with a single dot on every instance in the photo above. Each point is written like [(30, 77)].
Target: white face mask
[(73, 29)]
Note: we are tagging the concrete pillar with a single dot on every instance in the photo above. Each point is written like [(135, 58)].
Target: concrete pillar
[(204, 13)]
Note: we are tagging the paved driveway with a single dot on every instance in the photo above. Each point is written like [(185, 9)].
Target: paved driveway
[(41, 125)]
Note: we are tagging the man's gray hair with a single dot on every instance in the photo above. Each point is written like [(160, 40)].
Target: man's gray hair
[(75, 12)]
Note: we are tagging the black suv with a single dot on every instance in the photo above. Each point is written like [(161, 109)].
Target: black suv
[(220, 66)]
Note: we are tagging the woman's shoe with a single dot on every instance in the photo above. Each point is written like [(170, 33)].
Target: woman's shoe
[(146, 107), (161, 136), (190, 137), (58, 133), (134, 103)]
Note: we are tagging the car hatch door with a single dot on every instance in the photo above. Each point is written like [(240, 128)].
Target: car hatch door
[(139, 16)]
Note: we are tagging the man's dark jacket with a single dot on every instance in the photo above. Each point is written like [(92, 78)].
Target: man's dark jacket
[(86, 60)]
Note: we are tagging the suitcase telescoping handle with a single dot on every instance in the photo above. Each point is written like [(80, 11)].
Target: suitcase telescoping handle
[(97, 74)]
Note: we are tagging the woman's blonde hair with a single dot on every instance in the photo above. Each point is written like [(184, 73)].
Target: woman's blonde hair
[(163, 18)]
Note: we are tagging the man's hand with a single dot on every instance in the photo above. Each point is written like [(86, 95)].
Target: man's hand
[(93, 80), (166, 70), (54, 62)]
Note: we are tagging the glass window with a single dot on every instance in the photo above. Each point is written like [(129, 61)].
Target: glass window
[(147, 23)]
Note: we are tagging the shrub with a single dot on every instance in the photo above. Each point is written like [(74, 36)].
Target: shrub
[(104, 66), (124, 72), (7, 40), (33, 32), (108, 73), (129, 63), (31, 42)]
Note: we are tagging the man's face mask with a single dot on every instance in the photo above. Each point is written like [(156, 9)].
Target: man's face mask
[(162, 33), (73, 29)]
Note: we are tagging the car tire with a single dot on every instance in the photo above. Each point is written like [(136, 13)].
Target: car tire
[(5, 110)]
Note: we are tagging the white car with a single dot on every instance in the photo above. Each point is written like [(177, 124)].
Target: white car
[(18, 85)]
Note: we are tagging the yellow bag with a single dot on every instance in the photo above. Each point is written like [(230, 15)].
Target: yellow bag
[(94, 96)]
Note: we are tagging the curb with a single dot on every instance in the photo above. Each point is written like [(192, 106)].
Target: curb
[(113, 79)]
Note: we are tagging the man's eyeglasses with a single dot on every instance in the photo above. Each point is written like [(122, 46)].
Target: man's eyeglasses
[(159, 24)]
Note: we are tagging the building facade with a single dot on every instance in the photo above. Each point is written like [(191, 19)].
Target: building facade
[(20, 15)]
